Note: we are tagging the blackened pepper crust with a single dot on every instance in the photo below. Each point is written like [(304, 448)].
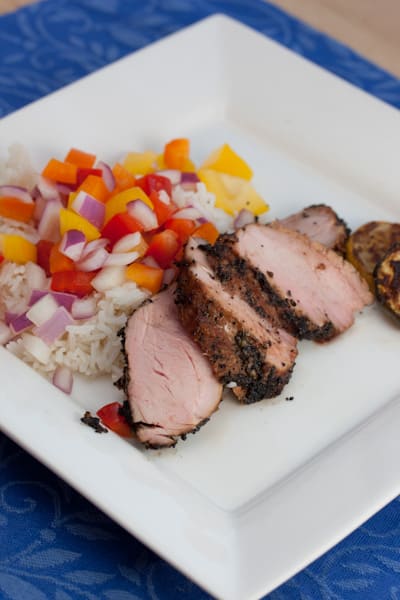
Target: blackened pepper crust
[(235, 355)]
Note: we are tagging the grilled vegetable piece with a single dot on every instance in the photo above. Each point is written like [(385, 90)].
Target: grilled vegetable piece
[(387, 280), (368, 244)]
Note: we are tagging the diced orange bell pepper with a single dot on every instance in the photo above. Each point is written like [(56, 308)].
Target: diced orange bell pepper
[(60, 171), (123, 179), (71, 220), (176, 153), (81, 159), (145, 276), (13, 208), (117, 204), (208, 232), (17, 249), (96, 187), (59, 262), (182, 227), (163, 247)]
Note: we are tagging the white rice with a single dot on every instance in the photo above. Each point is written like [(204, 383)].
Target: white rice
[(91, 347), (17, 169)]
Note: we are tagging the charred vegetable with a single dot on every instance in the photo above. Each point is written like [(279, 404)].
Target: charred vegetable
[(369, 243), (387, 280)]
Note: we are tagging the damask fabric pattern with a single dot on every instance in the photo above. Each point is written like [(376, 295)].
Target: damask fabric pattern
[(53, 543)]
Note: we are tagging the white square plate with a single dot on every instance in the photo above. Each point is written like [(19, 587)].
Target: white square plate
[(262, 490)]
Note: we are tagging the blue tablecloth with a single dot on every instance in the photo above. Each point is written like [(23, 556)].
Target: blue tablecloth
[(53, 543)]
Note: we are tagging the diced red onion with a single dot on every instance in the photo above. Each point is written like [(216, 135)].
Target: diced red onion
[(62, 298), (202, 220), (94, 245), (49, 224), (169, 276), (72, 244), (150, 262), (20, 323), (54, 327), (63, 379), (42, 310), (48, 190), (84, 308), (126, 243), (108, 175), (190, 186), (187, 213), (143, 213), (64, 189), (189, 177), (244, 217), (5, 333), (93, 261), (108, 278), (9, 316), (164, 197), (121, 258), (16, 191), (35, 275), (172, 174), (91, 209), (40, 205), (36, 347)]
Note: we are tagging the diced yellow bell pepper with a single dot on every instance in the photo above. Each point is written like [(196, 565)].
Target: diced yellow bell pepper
[(225, 160), (189, 166), (117, 204), (71, 220), (232, 193), (140, 163), (17, 249)]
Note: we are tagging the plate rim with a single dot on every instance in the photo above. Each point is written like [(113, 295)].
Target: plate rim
[(228, 580)]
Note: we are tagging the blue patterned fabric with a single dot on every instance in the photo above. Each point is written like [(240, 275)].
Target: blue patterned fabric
[(53, 543)]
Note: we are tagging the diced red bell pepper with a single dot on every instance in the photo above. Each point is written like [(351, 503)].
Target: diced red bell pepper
[(44, 248), (163, 247), (1, 259), (73, 282), (82, 173), (154, 183), (120, 225), (182, 227), (111, 416), (163, 211)]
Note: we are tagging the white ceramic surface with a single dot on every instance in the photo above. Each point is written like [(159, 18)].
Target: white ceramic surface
[(261, 490)]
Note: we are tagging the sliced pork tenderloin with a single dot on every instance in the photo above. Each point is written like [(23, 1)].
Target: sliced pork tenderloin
[(247, 351), (169, 384), (314, 292), (321, 224)]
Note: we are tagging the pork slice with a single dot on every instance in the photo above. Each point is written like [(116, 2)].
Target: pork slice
[(314, 292), (170, 386), (321, 224), (247, 351)]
